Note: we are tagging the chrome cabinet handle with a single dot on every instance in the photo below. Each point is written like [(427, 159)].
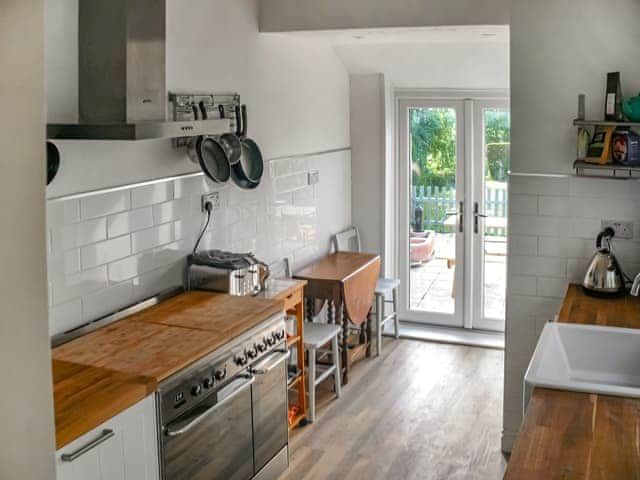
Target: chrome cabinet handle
[(268, 364), (461, 219), (104, 436), (249, 380)]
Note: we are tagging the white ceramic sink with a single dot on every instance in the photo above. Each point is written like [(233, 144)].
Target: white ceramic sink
[(586, 358)]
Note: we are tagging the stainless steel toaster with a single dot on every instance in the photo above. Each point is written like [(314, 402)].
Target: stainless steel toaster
[(226, 272)]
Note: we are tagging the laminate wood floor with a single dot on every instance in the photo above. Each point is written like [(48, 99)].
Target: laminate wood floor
[(420, 411)]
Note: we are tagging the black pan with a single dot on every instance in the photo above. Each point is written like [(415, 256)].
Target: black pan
[(247, 173), (53, 161), (231, 142), (212, 158)]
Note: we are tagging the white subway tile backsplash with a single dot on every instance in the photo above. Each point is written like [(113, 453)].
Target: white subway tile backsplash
[(523, 204), (151, 237), (536, 185), (600, 187), (150, 194), (63, 213), (79, 284), (535, 225), (553, 205), (105, 252), (170, 211), (584, 227), (523, 245), (107, 301), (538, 266), (552, 287), (65, 317), (522, 285), (78, 234), (553, 246), (105, 204), (110, 250), (130, 221)]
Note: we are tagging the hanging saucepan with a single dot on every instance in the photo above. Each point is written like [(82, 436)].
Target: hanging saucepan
[(211, 156), (53, 161), (230, 142), (247, 173)]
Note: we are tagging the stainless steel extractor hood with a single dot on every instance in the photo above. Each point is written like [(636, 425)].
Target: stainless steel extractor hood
[(122, 76)]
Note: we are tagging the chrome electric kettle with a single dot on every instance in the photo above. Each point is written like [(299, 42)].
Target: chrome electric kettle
[(604, 277)]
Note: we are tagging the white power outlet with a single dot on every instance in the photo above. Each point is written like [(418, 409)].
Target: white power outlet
[(622, 229), (214, 198)]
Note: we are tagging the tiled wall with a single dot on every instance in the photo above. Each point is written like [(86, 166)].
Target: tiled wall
[(552, 229), (111, 250)]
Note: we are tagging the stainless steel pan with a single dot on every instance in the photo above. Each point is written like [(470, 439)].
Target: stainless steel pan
[(247, 173)]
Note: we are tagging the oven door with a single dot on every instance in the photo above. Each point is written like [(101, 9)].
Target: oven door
[(214, 440), (270, 420)]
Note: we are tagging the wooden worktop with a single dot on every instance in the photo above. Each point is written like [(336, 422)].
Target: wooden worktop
[(104, 372), (570, 435)]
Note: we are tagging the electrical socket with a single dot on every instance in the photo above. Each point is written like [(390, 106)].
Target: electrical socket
[(623, 229), (213, 198)]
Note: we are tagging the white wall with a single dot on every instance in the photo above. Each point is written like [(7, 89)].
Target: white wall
[(368, 142), (553, 221), (297, 91), (26, 416), (464, 65), (293, 15)]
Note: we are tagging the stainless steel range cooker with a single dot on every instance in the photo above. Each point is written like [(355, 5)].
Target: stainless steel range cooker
[(225, 417)]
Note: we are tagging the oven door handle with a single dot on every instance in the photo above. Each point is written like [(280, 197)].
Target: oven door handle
[(274, 359), (248, 380)]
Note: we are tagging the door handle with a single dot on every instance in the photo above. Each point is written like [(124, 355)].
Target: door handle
[(249, 380), (269, 364), (104, 436), (476, 216)]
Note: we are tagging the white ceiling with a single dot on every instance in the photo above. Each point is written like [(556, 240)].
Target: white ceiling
[(471, 57)]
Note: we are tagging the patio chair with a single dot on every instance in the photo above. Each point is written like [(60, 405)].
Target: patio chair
[(349, 241)]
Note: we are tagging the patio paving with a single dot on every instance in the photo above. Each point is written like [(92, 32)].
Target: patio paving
[(431, 283)]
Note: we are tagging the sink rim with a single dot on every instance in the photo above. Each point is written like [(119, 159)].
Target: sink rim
[(534, 380)]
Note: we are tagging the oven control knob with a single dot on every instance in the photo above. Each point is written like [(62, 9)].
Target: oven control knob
[(261, 347), (271, 341), (241, 360), (221, 374), (252, 352), (207, 382), (196, 390), (279, 335)]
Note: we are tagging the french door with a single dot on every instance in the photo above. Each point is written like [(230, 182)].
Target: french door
[(452, 210)]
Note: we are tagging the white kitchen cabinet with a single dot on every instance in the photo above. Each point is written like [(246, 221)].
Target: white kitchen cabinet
[(126, 448)]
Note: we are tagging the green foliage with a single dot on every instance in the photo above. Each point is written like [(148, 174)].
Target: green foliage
[(433, 146)]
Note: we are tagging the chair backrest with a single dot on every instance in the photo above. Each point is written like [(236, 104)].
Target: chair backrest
[(280, 269), (347, 240)]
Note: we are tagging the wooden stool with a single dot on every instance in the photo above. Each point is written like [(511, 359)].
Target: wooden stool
[(315, 336)]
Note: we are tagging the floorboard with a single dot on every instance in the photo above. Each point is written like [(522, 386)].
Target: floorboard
[(422, 410)]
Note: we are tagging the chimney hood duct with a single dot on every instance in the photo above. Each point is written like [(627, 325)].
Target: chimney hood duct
[(122, 75)]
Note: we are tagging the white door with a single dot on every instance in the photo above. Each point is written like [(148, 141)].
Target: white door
[(452, 210), (431, 207)]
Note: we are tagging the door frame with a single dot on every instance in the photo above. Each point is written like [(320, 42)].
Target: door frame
[(400, 199)]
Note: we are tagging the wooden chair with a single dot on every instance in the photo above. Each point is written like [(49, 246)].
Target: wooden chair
[(315, 336), (386, 289)]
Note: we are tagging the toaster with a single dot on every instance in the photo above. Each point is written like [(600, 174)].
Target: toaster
[(226, 272)]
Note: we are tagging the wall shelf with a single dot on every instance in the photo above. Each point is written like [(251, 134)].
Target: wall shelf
[(605, 123), (610, 170)]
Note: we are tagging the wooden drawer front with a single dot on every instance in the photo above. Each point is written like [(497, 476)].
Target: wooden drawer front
[(291, 300)]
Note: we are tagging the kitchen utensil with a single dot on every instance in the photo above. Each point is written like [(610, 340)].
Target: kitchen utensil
[(53, 161), (211, 156), (631, 108), (231, 142), (247, 173), (604, 277)]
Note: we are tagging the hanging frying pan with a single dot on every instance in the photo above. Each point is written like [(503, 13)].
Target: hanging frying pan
[(212, 158), (247, 173), (230, 142), (53, 161)]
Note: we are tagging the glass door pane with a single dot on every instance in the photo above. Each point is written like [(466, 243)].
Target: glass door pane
[(431, 246), (491, 199)]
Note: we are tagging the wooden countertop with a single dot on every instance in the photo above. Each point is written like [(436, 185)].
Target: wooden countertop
[(104, 372), (570, 435)]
